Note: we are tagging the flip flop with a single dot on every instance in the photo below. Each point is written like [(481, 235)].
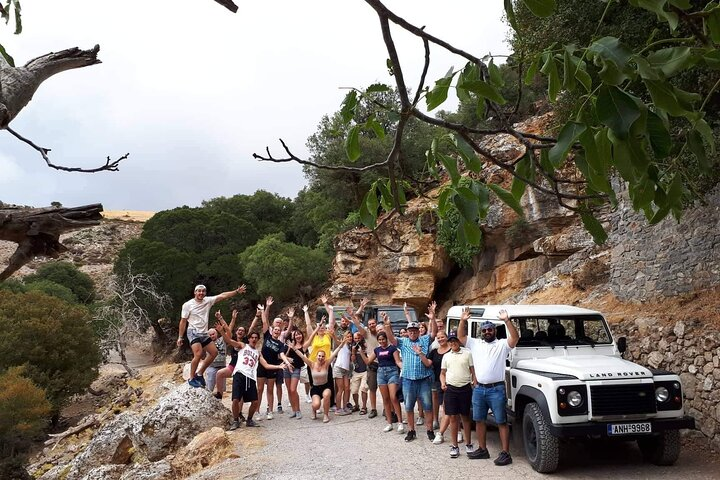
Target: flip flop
[(363, 411)]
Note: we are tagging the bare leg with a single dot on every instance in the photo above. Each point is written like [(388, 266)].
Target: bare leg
[(504, 436), (326, 404), (392, 388), (293, 394), (261, 389), (316, 402), (453, 429), (386, 402), (481, 430), (270, 394), (197, 356), (278, 387), (467, 429), (253, 408), (212, 352)]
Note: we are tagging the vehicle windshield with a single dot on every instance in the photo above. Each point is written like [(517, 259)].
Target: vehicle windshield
[(566, 330)]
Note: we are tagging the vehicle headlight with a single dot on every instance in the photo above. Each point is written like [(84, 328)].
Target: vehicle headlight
[(661, 394), (574, 399)]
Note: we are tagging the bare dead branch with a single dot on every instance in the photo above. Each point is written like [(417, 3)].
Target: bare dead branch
[(426, 66), (292, 158), (229, 4)]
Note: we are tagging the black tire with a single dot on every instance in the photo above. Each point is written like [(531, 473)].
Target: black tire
[(662, 449), (541, 446)]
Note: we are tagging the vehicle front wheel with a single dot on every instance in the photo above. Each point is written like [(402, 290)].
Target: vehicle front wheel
[(662, 449), (541, 446)]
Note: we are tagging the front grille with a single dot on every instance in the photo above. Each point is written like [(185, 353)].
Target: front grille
[(622, 399)]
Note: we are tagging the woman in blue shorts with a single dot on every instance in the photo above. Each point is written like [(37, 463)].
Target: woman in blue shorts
[(388, 378)]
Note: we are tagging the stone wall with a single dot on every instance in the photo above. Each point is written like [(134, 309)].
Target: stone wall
[(666, 259), (689, 348)]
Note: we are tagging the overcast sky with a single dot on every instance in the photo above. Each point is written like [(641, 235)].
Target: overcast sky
[(191, 90)]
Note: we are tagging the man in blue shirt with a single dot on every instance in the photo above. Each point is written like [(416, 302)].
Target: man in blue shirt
[(417, 373)]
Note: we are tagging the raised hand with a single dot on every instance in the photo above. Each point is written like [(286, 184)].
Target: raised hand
[(431, 310), (385, 318), (305, 308), (234, 314), (291, 312), (465, 315), (405, 307), (241, 288), (324, 299), (269, 301)]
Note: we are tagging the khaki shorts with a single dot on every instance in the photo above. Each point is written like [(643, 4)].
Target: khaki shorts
[(358, 382)]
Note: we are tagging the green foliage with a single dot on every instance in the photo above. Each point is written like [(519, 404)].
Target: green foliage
[(53, 289), (280, 268), (67, 275), (461, 252), (52, 339), (24, 411), (14, 286)]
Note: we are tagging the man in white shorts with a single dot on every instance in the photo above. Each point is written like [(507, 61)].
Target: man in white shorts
[(194, 318)]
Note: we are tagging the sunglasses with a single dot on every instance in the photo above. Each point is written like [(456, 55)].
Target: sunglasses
[(487, 330)]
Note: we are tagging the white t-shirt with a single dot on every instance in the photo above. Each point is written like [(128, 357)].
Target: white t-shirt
[(247, 362), (489, 359), (343, 358), (197, 313)]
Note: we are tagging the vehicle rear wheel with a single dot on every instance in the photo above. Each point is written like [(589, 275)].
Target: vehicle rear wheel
[(541, 446), (662, 449)]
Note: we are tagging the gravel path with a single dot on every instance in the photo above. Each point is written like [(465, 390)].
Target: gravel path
[(355, 447)]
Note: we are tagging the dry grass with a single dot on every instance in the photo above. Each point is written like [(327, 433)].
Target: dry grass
[(128, 215)]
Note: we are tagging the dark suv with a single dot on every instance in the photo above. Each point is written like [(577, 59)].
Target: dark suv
[(395, 312)]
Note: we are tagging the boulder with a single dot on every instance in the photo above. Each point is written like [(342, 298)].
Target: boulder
[(160, 470), (204, 450), (175, 420)]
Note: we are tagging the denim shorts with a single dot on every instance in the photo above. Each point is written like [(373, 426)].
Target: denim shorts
[(493, 398), (294, 374), (388, 375), (198, 337), (417, 390)]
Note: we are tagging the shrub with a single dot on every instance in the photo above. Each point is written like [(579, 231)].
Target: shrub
[(53, 289), (24, 411), (67, 275)]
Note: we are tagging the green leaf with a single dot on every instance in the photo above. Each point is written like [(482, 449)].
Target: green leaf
[(347, 112), (658, 8), (540, 8), (613, 56), (472, 232), (6, 56), (386, 197), (617, 110), (644, 69), (470, 158), (469, 73), (658, 135), (568, 71), (595, 167), (483, 197), (712, 21), (485, 90), (467, 204), (697, 147), (378, 87), (545, 163), (495, 75), (674, 193), (439, 93), (567, 137), (510, 14), (549, 68), (371, 200), (401, 194), (442, 204), (532, 70), (663, 97), (583, 77), (594, 227), (507, 198), (712, 59), (375, 126), (18, 20), (707, 133), (352, 144), (622, 157), (368, 218), (525, 169), (451, 166), (670, 61)]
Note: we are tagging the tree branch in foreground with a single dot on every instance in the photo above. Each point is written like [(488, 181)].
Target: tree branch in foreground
[(293, 158)]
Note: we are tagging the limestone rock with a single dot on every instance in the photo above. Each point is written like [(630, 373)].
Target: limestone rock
[(205, 449), (175, 420), (105, 472), (679, 329), (655, 359), (160, 470)]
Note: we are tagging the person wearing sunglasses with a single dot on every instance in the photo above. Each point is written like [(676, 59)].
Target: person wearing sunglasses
[(489, 354)]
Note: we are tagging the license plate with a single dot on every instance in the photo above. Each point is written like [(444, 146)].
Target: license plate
[(629, 428)]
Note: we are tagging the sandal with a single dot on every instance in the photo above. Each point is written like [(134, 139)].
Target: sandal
[(326, 419), (363, 411)]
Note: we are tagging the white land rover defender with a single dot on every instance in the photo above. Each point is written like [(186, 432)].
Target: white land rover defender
[(566, 378)]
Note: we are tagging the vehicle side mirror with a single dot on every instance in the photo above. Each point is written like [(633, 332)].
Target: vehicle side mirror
[(622, 344)]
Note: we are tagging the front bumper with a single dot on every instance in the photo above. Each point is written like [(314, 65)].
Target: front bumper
[(601, 428)]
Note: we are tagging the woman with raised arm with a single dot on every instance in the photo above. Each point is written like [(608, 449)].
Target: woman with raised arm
[(388, 374), (272, 347), (322, 384), (239, 334), (292, 375), (319, 337)]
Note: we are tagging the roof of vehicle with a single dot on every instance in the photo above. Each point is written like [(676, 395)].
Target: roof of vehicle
[(492, 311)]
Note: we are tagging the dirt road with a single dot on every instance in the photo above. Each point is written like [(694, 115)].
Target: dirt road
[(355, 447)]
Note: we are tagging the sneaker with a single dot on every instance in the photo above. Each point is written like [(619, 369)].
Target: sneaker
[(459, 437), (349, 406), (269, 415), (201, 380), (308, 399), (503, 459), (405, 421), (372, 414), (333, 409), (469, 448), (410, 436), (436, 425), (388, 428), (241, 417), (393, 417), (251, 423), (342, 412), (454, 451), (292, 415), (217, 395), (438, 438), (401, 428), (480, 453), (235, 425), (298, 415), (431, 435), (279, 408), (356, 408), (420, 421)]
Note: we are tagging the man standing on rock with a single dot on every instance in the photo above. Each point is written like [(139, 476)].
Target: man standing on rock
[(489, 355), (194, 317)]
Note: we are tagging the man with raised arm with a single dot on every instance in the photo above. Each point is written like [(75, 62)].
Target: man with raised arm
[(417, 377), (489, 354), (369, 333), (194, 318)]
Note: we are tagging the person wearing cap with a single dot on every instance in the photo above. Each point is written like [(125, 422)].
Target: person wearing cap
[(194, 322), (417, 374), (489, 354), (457, 376)]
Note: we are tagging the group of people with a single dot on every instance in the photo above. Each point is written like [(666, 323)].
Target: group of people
[(343, 363)]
